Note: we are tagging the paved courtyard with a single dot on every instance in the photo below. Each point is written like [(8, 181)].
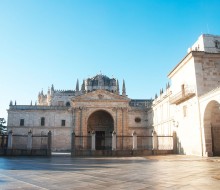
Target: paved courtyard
[(64, 172)]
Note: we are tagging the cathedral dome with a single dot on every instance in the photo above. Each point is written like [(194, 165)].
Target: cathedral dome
[(101, 82)]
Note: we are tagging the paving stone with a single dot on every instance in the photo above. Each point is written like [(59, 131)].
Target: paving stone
[(135, 173)]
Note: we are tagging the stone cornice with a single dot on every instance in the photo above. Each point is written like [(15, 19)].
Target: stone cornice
[(100, 96)]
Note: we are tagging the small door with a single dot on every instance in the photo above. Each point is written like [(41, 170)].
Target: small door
[(100, 140), (216, 141)]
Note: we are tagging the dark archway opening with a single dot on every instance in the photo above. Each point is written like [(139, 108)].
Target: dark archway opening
[(102, 123), (212, 128)]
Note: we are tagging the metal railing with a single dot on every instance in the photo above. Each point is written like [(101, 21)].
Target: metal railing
[(123, 142), (19, 141), (82, 142), (165, 142), (145, 142), (3, 142), (183, 95), (39, 141)]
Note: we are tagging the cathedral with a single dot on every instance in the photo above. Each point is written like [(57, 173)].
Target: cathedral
[(98, 106), (189, 105)]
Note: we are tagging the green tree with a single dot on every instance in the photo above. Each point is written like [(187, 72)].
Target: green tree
[(3, 128)]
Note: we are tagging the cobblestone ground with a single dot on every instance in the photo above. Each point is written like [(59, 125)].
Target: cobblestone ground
[(154, 172)]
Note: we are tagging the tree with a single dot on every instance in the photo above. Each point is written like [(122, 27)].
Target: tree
[(3, 128)]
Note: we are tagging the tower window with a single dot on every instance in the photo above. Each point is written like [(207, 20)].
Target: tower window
[(217, 44), (68, 104), (42, 122), (63, 122), (21, 122)]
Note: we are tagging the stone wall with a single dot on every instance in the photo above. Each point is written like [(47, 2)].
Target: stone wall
[(207, 68)]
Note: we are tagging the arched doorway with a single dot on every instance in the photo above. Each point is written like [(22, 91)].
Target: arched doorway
[(212, 128), (102, 123)]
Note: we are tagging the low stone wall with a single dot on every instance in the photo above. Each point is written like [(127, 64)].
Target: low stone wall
[(24, 152), (120, 152), (3, 152)]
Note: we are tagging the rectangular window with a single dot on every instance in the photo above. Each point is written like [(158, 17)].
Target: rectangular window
[(21, 122), (184, 111), (42, 122), (63, 122)]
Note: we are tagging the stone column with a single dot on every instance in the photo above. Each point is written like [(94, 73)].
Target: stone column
[(134, 134), (10, 139), (155, 141), (93, 140), (113, 140), (29, 140)]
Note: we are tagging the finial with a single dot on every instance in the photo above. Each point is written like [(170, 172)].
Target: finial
[(77, 85), (11, 103), (15, 103), (117, 86), (31, 103), (123, 88), (83, 86), (52, 87)]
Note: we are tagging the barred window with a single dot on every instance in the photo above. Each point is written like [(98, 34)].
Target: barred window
[(63, 122), (21, 122), (184, 111), (42, 122)]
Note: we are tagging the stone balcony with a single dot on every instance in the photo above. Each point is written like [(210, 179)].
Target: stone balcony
[(183, 95)]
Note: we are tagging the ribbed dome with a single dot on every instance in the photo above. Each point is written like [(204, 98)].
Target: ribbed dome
[(101, 82), (100, 76)]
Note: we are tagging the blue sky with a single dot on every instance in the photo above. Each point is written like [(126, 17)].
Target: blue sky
[(56, 42)]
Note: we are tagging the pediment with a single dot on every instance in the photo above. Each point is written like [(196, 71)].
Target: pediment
[(100, 95)]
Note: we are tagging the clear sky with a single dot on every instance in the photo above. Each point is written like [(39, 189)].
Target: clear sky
[(45, 42)]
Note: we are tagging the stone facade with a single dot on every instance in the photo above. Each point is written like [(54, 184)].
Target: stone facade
[(98, 107)]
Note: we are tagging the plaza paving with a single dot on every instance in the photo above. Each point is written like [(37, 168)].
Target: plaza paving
[(154, 172)]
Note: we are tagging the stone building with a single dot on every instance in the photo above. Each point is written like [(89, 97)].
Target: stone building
[(190, 106), (98, 106)]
